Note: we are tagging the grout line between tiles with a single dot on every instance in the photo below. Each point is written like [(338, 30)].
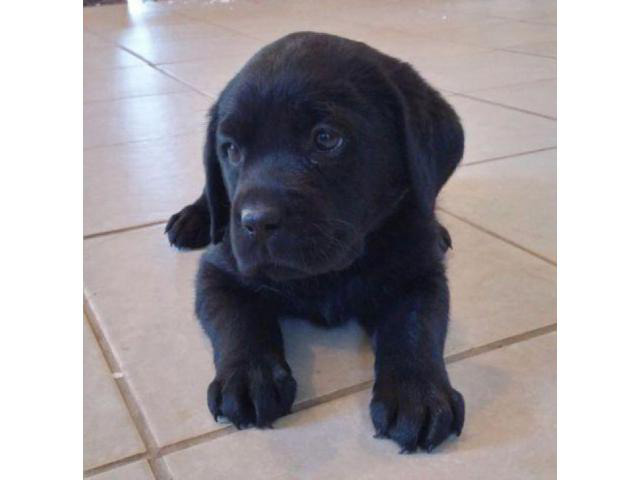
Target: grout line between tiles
[(167, 73), (504, 342), (301, 406), (527, 53), (142, 95), (507, 157), (123, 229), (509, 107), (163, 72), (156, 66), (129, 97), (146, 139), (157, 465), (499, 237), (198, 439), (159, 469), (195, 19), (118, 463), (528, 21)]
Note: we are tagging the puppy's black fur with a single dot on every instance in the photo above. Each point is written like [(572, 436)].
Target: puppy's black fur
[(323, 161)]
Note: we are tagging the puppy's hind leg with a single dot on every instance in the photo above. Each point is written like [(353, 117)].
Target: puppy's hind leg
[(190, 228)]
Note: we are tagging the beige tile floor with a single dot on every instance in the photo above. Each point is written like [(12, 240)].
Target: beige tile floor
[(149, 76)]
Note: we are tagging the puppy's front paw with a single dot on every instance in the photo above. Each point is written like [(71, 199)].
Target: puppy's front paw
[(189, 228), (415, 410), (256, 392)]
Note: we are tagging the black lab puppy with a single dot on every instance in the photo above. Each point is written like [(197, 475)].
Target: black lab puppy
[(323, 161)]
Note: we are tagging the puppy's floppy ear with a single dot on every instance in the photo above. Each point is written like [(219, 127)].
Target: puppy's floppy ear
[(217, 198), (433, 135)]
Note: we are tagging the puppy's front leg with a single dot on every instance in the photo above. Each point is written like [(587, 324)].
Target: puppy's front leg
[(413, 402), (253, 383)]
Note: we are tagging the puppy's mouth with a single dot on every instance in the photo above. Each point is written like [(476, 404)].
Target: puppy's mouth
[(278, 268), (278, 273)]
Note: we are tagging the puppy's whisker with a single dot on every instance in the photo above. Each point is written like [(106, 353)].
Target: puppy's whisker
[(333, 241), (343, 222)]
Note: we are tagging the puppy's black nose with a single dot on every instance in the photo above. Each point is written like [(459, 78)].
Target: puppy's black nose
[(260, 221)]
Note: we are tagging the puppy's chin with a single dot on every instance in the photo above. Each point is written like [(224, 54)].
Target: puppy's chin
[(276, 273), (281, 270)]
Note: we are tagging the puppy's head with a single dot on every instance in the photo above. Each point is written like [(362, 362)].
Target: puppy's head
[(313, 145)]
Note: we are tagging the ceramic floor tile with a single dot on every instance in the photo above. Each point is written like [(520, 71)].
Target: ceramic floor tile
[(99, 53), (188, 28), (142, 182), (538, 97), (417, 18), (106, 19), (272, 26), (116, 84), (492, 131), (134, 471), (216, 46), (430, 57), (497, 290), (239, 12), (515, 198), (414, 49), (523, 10), (89, 40), (549, 19), (144, 303), (143, 118), (486, 70), (109, 432), (501, 35), (211, 74), (510, 432), (143, 162)]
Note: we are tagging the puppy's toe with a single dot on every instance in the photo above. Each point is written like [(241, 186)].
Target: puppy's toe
[(416, 413), (437, 427), (383, 415), (406, 430), (256, 393)]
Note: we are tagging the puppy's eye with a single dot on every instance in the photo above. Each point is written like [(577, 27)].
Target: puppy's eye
[(327, 139), (231, 152)]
